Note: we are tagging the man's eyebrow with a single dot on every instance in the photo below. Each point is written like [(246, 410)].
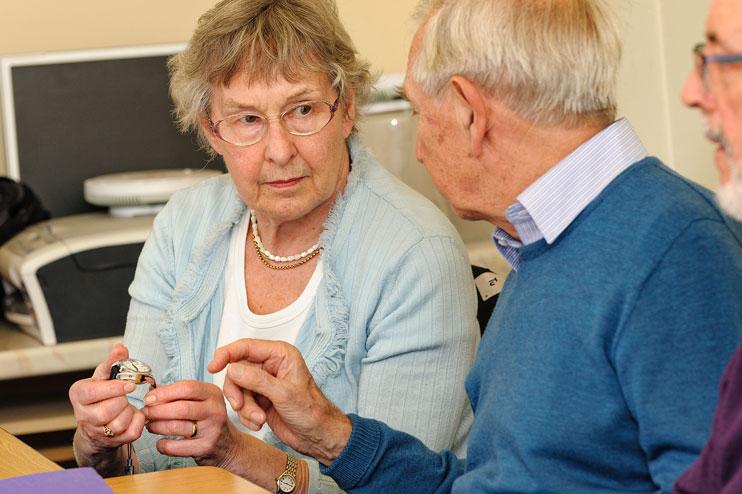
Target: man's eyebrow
[(713, 38)]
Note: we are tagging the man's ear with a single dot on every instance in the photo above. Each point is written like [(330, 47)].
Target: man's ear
[(350, 112), (471, 110)]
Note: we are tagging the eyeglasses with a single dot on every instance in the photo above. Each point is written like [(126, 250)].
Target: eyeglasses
[(702, 61), (304, 119)]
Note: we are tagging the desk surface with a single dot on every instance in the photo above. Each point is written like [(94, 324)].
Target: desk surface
[(194, 480), (21, 459)]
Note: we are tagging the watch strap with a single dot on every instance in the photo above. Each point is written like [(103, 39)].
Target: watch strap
[(290, 471)]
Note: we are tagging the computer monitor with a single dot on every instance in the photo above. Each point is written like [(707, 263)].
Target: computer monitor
[(68, 116)]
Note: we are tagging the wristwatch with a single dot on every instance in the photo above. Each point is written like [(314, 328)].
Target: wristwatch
[(133, 370), (286, 482)]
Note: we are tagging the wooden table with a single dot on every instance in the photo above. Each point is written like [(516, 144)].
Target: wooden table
[(193, 480), (20, 459)]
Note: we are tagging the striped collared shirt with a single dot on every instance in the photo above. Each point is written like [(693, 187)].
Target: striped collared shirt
[(548, 206)]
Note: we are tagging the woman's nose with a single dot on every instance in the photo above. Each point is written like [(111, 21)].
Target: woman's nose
[(279, 144)]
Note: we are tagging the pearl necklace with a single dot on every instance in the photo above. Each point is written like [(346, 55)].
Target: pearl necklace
[(309, 253)]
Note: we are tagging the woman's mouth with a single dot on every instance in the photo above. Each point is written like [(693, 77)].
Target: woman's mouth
[(283, 184)]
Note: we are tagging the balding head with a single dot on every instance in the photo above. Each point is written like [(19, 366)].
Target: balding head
[(554, 62)]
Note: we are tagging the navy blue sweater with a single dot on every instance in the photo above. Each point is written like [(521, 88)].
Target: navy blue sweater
[(598, 372)]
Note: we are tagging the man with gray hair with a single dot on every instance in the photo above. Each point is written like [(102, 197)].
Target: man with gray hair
[(715, 88), (598, 370)]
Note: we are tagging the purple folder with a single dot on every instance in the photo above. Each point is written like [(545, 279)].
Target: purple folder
[(73, 481)]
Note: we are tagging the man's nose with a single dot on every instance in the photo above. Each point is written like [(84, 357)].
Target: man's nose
[(694, 91)]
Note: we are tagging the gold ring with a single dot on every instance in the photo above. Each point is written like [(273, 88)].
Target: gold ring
[(194, 430), (107, 431)]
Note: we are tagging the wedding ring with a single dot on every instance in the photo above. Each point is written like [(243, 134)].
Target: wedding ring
[(194, 430), (107, 431)]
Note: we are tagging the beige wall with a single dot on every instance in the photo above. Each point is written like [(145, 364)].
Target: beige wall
[(380, 28), (658, 37), (683, 28)]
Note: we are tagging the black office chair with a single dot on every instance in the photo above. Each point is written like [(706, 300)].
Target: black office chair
[(488, 291)]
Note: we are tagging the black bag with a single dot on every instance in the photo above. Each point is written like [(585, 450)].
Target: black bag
[(19, 208)]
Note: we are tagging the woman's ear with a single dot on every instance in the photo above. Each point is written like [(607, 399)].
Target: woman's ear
[(471, 109), (207, 130), (349, 114)]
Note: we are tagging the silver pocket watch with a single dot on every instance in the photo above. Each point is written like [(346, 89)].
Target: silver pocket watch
[(138, 372)]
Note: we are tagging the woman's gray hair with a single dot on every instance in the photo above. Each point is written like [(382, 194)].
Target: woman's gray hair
[(553, 62), (262, 40)]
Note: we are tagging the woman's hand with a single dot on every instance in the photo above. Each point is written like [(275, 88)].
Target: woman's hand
[(105, 419), (269, 381), (195, 411)]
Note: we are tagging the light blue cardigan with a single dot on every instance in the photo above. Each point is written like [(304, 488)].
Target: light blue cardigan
[(392, 332)]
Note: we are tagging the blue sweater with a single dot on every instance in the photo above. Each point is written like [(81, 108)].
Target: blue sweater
[(598, 372)]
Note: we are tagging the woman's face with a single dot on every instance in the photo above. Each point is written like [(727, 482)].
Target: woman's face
[(284, 176)]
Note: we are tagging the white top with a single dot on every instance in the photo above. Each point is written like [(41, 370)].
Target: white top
[(238, 321)]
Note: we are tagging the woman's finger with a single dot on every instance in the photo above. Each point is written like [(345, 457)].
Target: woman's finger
[(135, 429), (120, 423), (89, 392), (103, 371), (181, 391), (188, 429)]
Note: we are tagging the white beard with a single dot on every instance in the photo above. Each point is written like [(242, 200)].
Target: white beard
[(729, 195)]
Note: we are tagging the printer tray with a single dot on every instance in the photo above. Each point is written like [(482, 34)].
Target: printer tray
[(87, 292)]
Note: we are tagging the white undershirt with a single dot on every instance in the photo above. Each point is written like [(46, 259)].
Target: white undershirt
[(238, 321)]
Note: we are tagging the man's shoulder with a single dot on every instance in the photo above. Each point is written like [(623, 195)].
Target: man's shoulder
[(652, 199), (643, 214)]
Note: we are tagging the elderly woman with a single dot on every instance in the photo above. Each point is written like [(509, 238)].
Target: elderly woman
[(307, 240)]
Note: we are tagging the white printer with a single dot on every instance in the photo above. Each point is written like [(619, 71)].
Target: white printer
[(67, 279)]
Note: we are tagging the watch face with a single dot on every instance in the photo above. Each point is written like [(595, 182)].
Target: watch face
[(132, 370), (286, 483), (133, 365)]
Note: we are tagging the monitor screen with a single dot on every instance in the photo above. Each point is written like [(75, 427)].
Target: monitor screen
[(75, 115)]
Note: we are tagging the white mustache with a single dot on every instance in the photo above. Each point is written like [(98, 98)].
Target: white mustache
[(717, 136), (712, 134)]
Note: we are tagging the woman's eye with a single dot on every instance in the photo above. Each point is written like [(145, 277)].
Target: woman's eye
[(249, 119), (302, 110)]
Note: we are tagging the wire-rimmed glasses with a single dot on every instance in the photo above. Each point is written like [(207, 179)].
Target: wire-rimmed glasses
[(303, 119), (702, 61)]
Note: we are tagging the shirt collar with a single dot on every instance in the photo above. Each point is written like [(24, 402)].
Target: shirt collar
[(561, 194), (549, 205)]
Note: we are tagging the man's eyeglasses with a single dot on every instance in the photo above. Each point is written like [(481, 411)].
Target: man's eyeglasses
[(702, 61), (303, 119)]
